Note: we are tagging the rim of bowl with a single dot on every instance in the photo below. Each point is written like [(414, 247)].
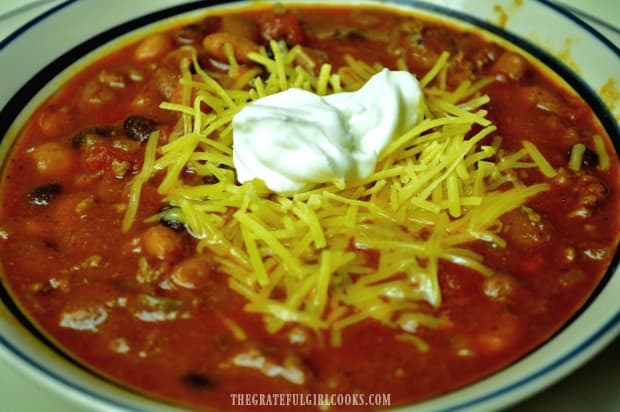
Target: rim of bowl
[(528, 383)]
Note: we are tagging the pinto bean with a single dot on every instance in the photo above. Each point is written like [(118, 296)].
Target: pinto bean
[(56, 121), (500, 287), (166, 82), (94, 94), (146, 102), (485, 55), (69, 210), (240, 26), (162, 243), (193, 272), (113, 78), (153, 46), (504, 334), (53, 159), (242, 46), (542, 99), (511, 65)]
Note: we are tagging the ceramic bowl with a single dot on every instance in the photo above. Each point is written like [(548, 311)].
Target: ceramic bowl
[(72, 37)]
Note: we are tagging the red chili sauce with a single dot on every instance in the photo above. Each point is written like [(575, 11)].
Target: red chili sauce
[(72, 269)]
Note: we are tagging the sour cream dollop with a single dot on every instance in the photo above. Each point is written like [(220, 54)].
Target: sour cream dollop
[(295, 139)]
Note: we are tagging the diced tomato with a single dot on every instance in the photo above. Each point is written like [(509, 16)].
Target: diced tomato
[(99, 157)]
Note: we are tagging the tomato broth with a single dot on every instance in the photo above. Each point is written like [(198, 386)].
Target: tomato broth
[(145, 306)]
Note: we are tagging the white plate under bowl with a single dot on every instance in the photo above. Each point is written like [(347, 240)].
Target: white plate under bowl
[(66, 33)]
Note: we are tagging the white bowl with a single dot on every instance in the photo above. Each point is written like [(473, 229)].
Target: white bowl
[(67, 37)]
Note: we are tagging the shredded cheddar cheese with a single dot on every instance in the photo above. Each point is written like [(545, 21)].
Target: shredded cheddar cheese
[(135, 187), (308, 258), (576, 156), (601, 151), (539, 159)]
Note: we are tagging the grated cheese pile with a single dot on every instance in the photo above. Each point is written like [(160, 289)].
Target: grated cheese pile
[(303, 258)]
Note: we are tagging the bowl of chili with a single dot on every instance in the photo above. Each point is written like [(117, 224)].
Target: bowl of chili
[(472, 266)]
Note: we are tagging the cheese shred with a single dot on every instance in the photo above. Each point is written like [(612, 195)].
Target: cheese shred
[(340, 254), (601, 151), (135, 186)]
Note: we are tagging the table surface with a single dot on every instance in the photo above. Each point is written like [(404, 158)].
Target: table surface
[(594, 387)]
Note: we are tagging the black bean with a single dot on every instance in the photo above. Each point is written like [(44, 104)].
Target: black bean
[(78, 140), (168, 220), (269, 52), (590, 159), (43, 195), (139, 128), (210, 180), (51, 245), (197, 380), (192, 66), (172, 224)]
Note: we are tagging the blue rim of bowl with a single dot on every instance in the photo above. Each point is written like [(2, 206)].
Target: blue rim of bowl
[(24, 94)]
